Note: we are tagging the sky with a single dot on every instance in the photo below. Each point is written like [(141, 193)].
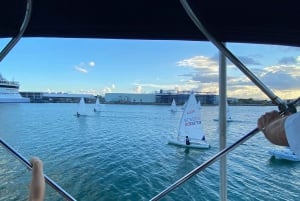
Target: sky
[(99, 66)]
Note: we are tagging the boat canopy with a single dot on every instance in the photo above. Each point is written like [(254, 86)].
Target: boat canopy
[(248, 21)]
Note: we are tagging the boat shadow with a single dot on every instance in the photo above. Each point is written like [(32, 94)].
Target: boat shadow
[(273, 161)]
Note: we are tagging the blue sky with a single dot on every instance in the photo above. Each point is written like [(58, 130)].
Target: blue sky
[(98, 66)]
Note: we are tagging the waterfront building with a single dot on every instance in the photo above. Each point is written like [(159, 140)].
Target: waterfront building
[(134, 98), (161, 97), (41, 97)]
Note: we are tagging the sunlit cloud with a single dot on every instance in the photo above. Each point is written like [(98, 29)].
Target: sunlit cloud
[(204, 76), (283, 78), (200, 62), (245, 91), (205, 69)]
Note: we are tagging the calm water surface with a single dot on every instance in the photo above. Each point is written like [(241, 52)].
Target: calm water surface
[(121, 154)]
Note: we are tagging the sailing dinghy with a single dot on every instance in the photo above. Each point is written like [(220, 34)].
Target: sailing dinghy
[(173, 106), (97, 107), (228, 114), (190, 126), (81, 110)]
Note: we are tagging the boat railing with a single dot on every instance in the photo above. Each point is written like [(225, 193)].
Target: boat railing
[(6, 82)]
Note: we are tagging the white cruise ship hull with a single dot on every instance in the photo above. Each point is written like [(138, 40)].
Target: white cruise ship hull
[(13, 98), (9, 92)]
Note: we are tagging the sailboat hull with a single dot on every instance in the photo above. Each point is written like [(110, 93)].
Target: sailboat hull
[(197, 145), (286, 154)]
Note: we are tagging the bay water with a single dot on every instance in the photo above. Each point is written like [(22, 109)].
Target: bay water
[(121, 153)]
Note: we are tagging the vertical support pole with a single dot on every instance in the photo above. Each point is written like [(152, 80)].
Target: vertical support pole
[(222, 124)]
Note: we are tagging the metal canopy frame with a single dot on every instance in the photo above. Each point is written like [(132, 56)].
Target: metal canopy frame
[(248, 21)]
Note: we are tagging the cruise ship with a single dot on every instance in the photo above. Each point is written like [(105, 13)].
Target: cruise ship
[(9, 92)]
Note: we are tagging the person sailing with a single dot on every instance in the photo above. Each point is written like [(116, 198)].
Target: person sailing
[(187, 140)]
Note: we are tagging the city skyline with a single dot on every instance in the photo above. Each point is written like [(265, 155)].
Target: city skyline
[(98, 66)]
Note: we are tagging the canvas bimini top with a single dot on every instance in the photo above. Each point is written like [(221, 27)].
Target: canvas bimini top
[(255, 21)]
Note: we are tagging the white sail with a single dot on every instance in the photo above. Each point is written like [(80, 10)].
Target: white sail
[(190, 123), (199, 104), (97, 105), (173, 106), (81, 108), (228, 115)]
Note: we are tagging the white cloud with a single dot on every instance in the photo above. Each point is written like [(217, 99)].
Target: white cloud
[(106, 90), (284, 78), (83, 67), (80, 69), (138, 89), (205, 69), (88, 91), (92, 63), (200, 62)]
